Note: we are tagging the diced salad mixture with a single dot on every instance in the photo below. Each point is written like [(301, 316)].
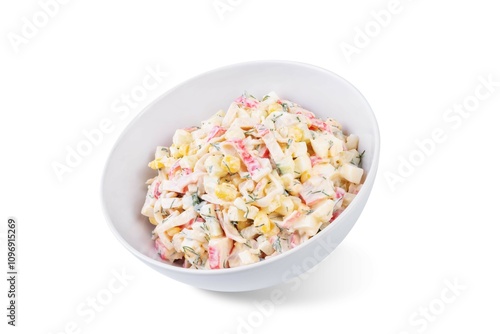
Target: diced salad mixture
[(250, 183)]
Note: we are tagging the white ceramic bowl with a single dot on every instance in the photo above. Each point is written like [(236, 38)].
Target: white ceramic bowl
[(316, 89)]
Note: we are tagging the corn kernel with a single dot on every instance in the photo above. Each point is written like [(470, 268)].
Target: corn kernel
[(305, 176), (226, 192), (173, 231), (242, 225), (156, 164), (295, 133), (275, 203), (153, 221), (181, 137), (274, 107), (261, 219), (266, 229), (184, 150), (231, 163)]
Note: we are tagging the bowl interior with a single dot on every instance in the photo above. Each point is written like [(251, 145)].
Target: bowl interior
[(322, 92)]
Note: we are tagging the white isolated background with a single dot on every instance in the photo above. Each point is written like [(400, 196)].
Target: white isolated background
[(439, 225)]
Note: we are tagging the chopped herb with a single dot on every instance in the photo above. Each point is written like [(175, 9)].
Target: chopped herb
[(196, 199), (164, 220), (285, 107), (360, 157), (308, 212), (248, 132), (228, 169), (277, 245), (318, 192), (298, 119), (192, 251), (265, 97), (246, 213), (216, 145), (289, 142), (276, 117), (253, 199)]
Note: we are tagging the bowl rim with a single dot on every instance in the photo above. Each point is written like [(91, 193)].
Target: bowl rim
[(168, 266)]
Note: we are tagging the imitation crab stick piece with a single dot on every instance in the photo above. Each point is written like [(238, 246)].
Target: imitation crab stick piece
[(254, 167), (218, 251), (271, 143), (176, 220), (228, 228), (316, 189), (216, 131)]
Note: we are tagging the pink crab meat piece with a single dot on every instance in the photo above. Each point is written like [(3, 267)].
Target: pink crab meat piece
[(246, 102), (213, 258), (175, 167), (294, 240), (339, 192), (156, 191), (179, 185), (319, 124), (292, 218), (229, 230), (188, 224), (271, 143), (218, 252), (216, 131), (315, 160), (161, 249), (336, 214), (250, 162), (315, 122), (316, 189)]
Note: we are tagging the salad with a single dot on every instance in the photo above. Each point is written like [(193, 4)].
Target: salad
[(249, 183)]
